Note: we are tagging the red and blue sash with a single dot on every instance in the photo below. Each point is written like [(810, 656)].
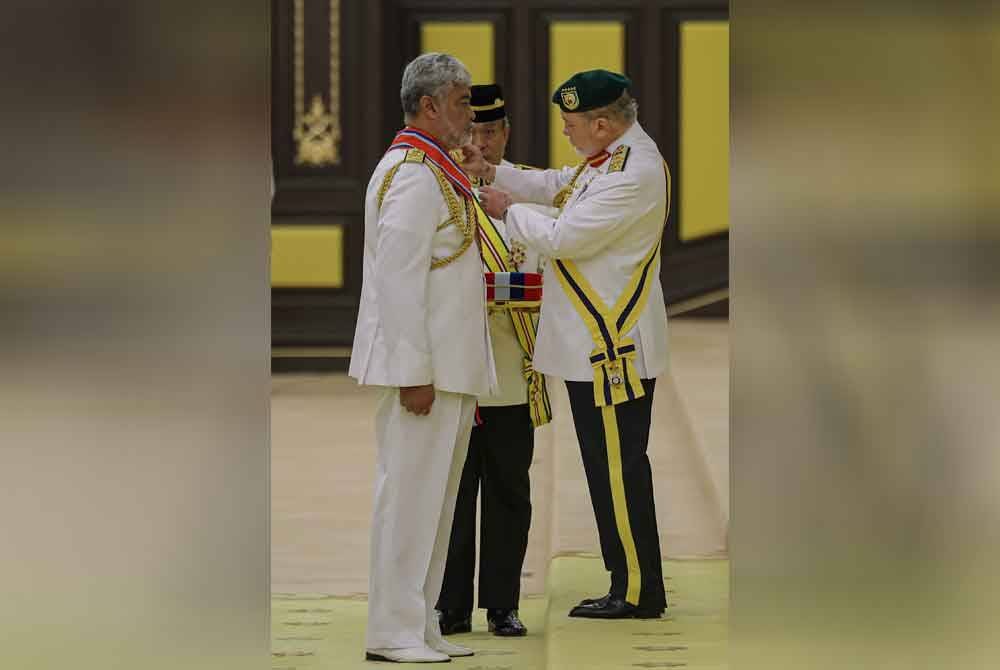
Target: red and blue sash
[(493, 248), (413, 138)]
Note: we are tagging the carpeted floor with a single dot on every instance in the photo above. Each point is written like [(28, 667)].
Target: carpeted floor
[(313, 631)]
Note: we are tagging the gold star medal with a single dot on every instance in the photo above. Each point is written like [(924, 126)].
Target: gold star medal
[(518, 254)]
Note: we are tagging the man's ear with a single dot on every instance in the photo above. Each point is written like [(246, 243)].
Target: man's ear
[(428, 106)]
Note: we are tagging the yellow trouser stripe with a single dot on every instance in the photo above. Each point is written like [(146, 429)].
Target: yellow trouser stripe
[(620, 504)]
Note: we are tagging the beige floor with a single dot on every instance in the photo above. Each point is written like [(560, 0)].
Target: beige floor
[(320, 632), (322, 459)]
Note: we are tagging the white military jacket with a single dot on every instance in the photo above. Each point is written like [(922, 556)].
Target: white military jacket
[(513, 387), (416, 325), (609, 223)]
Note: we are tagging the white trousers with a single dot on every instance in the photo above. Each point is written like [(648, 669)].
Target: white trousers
[(417, 471)]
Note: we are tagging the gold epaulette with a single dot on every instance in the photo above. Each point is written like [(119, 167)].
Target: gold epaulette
[(618, 159), (414, 156)]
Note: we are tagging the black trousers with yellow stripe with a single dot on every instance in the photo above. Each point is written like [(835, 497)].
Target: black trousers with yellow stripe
[(613, 444)]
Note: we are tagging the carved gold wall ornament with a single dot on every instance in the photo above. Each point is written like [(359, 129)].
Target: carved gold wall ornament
[(316, 136), (317, 133)]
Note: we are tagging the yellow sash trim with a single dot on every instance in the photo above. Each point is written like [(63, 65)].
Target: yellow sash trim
[(613, 357), (524, 327)]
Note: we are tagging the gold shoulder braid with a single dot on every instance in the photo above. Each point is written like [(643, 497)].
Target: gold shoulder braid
[(462, 216), (412, 156), (618, 159), (563, 195), (467, 223)]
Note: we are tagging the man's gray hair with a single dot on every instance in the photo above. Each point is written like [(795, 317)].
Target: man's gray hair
[(624, 110), (432, 74)]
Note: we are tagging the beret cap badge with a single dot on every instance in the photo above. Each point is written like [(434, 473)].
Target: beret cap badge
[(589, 90), (570, 98)]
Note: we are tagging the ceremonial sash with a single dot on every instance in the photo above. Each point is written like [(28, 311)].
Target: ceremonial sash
[(519, 289), (496, 257), (613, 357), (413, 138)]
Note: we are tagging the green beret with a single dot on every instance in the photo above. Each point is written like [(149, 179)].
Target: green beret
[(589, 90)]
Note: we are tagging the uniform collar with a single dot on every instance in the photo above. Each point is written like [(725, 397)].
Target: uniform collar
[(628, 137), (598, 159)]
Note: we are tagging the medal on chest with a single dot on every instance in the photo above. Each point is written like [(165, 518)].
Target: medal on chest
[(518, 254)]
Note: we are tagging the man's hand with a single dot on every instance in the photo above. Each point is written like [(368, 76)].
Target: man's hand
[(476, 165), (495, 202), (417, 399)]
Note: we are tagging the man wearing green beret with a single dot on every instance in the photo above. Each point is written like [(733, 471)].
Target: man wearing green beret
[(603, 321)]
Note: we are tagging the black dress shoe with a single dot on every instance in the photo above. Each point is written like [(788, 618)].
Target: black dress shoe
[(614, 608), (455, 621), (505, 623), (602, 600)]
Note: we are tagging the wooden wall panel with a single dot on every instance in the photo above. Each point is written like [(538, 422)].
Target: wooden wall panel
[(689, 267), (472, 42), (574, 46), (329, 195), (307, 256), (703, 170)]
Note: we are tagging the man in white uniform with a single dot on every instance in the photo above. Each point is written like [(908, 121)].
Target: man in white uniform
[(501, 447), (603, 320), (422, 336)]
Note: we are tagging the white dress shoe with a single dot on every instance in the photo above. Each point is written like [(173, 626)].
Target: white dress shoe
[(407, 655), (442, 645)]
